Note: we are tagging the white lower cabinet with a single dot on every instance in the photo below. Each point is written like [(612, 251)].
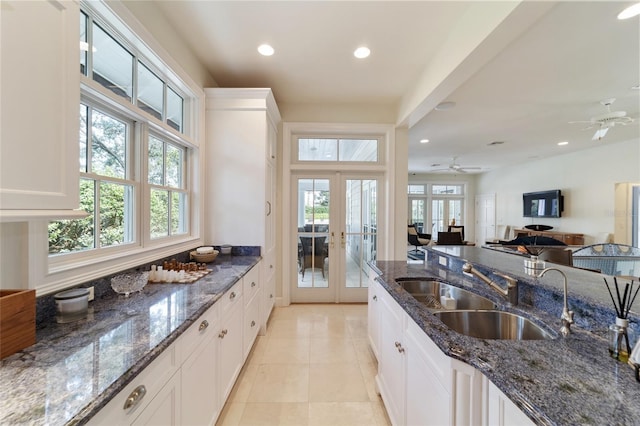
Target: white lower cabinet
[(373, 314), (391, 361), (420, 385), (189, 382)]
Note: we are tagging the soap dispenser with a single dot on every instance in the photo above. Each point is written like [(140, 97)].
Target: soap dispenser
[(447, 301)]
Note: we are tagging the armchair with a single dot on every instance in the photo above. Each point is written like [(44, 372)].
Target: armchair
[(416, 238)]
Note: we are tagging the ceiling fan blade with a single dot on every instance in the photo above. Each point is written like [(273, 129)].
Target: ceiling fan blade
[(600, 133)]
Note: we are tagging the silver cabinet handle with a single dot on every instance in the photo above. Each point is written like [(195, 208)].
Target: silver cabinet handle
[(375, 298), (135, 397), (270, 266), (253, 323), (223, 333), (232, 295), (399, 347), (269, 205), (271, 296), (203, 325), (253, 283)]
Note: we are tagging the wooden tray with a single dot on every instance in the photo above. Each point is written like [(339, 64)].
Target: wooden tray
[(17, 320)]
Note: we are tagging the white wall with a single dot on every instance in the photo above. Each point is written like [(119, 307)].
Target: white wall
[(587, 179)]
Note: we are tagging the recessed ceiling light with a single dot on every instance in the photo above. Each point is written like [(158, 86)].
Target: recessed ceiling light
[(442, 106), (266, 50), (424, 140), (361, 52), (630, 12), (563, 143)]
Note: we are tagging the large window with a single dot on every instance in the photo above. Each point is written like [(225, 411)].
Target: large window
[(432, 207), (119, 140), (106, 190)]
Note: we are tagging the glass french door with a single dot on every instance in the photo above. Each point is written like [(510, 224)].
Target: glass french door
[(335, 236)]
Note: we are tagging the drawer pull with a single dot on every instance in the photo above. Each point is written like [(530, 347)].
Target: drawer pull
[(203, 325), (399, 347), (271, 296), (223, 333), (253, 323), (135, 397), (232, 295), (375, 298), (253, 283)]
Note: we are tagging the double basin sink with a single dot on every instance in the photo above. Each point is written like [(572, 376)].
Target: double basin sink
[(473, 315)]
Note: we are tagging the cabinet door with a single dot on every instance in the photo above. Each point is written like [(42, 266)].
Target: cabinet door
[(501, 411), (40, 85), (391, 362), (200, 406), (428, 401), (229, 351), (373, 315), (165, 408), (251, 323)]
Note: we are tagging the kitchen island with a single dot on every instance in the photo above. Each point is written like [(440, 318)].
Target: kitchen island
[(557, 381), (75, 369)]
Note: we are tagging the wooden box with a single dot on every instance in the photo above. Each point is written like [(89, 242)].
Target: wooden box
[(17, 320)]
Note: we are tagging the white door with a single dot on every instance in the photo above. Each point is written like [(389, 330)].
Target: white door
[(485, 218), (335, 236)]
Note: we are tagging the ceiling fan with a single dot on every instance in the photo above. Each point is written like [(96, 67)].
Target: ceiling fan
[(454, 167), (603, 122)]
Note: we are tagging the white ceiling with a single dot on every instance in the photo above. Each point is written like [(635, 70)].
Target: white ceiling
[(552, 70)]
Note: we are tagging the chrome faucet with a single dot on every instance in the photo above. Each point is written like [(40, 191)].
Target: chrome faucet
[(511, 292), (567, 315)]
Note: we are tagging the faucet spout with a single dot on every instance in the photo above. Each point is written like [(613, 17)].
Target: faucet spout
[(511, 292), (567, 316)]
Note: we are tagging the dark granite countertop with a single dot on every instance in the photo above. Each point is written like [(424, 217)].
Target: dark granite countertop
[(74, 369), (562, 381)]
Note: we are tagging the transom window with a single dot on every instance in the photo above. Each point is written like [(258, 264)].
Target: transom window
[(114, 66), (337, 150)]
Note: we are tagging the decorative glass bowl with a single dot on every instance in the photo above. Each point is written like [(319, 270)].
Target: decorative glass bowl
[(128, 283)]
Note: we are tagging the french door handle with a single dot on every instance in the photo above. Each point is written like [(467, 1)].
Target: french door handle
[(332, 244), (342, 241)]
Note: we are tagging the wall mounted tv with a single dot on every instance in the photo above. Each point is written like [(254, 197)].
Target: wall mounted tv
[(543, 203)]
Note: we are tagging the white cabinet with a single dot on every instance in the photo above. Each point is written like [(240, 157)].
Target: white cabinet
[(252, 315), (199, 371), (240, 190), (40, 86), (134, 399), (500, 411), (230, 341), (419, 384), (373, 313), (427, 374), (391, 361)]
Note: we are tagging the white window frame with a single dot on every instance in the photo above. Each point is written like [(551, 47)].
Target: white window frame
[(49, 274), (428, 196), (381, 160)]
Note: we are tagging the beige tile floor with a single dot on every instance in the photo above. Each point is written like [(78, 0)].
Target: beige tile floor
[(313, 367)]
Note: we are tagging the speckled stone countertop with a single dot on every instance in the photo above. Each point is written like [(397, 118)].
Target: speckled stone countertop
[(75, 369), (562, 381)]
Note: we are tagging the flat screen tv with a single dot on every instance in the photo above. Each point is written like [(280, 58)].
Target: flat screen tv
[(543, 203)]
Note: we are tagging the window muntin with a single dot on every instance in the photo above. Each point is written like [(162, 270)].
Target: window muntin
[(150, 92), (340, 150), (447, 189), (415, 189), (112, 64), (84, 43)]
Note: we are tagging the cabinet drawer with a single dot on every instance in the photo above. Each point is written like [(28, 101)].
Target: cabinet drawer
[(231, 298), (251, 283), (199, 331), (142, 390)]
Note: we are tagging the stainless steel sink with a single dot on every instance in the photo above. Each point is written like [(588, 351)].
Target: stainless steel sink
[(492, 325), (428, 293)]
